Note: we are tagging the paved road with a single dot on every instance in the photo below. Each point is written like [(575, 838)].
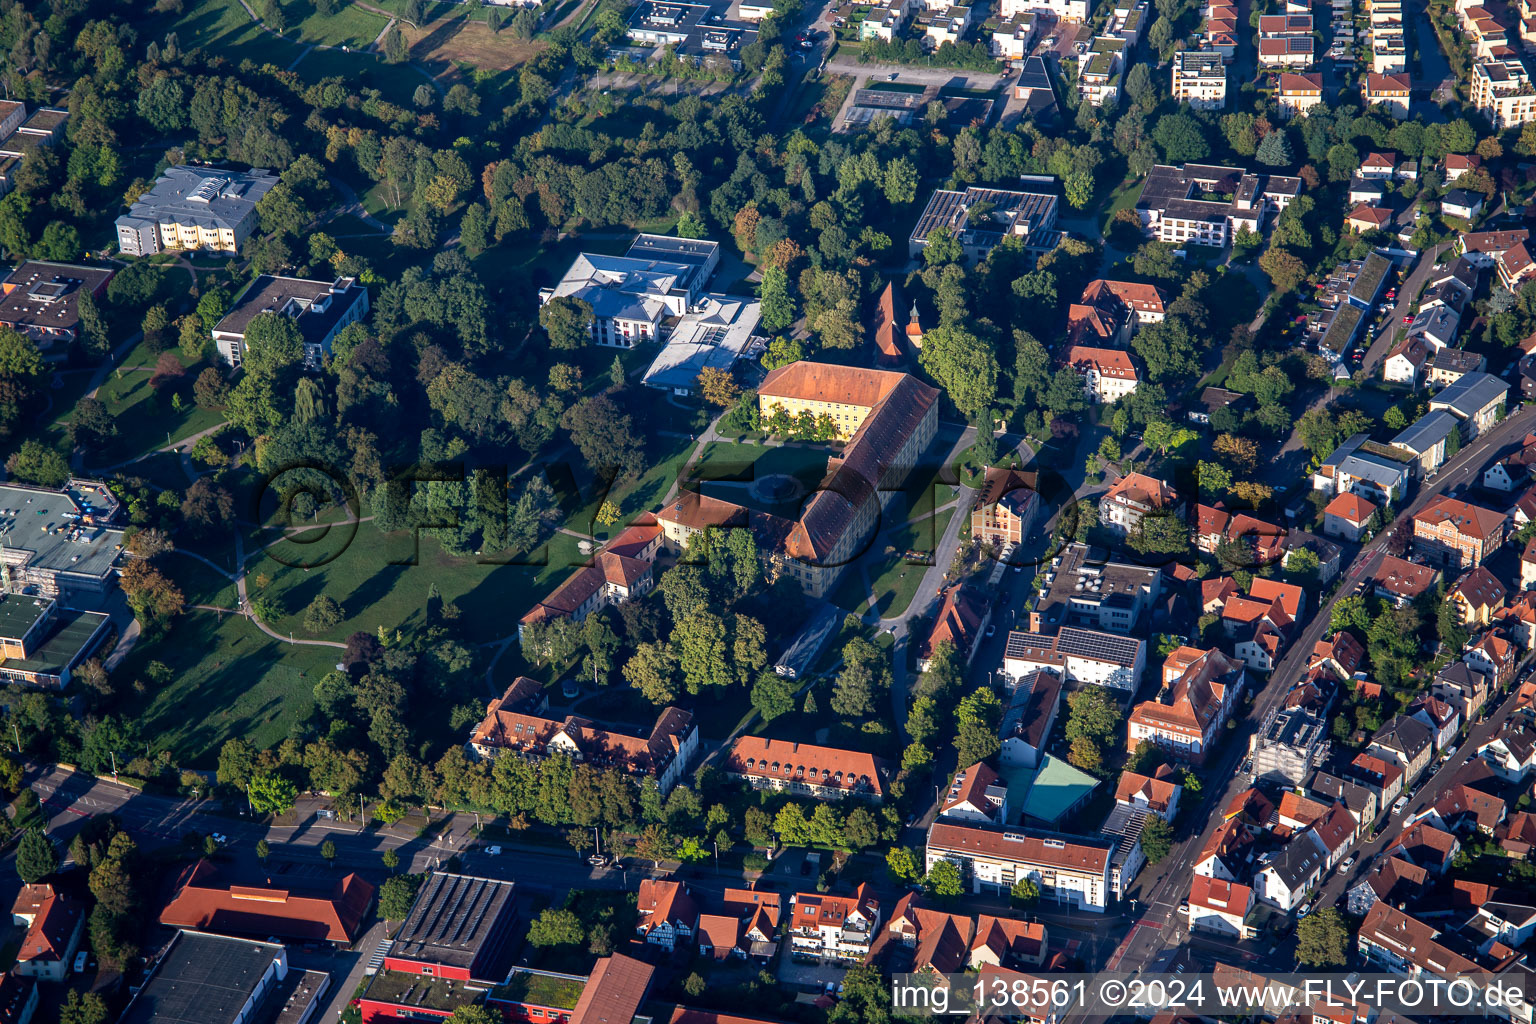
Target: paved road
[(1407, 293), (1432, 785), (1160, 893)]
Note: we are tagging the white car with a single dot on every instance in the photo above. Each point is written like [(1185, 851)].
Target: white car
[(1402, 802), (1350, 862), (81, 959), (494, 851)]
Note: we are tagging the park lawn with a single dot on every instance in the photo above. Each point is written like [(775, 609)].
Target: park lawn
[(897, 582), (48, 427), (199, 583), (224, 29), (744, 463), (643, 494), (1122, 198), (228, 679), (144, 421), (351, 25), (371, 576)]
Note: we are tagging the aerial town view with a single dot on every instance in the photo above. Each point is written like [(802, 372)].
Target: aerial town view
[(767, 511)]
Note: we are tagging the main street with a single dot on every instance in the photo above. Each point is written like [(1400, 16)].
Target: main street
[(1162, 888)]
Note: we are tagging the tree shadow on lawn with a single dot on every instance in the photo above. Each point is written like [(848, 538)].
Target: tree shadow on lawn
[(375, 588)]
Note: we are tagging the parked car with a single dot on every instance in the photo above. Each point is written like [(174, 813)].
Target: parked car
[(1397, 808), (494, 851), (1350, 862), (1407, 318)]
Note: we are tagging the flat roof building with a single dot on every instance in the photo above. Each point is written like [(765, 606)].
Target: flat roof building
[(194, 208), (1205, 204), (58, 540), (658, 279), (457, 929), (715, 335), (213, 979), (1030, 216), (41, 300), (320, 309)]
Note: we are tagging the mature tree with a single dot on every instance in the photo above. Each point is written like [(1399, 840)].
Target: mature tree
[(1275, 150), (1156, 839), (272, 343), (773, 696), (944, 880), (37, 463), (396, 896), (36, 857), (87, 1008), (1322, 939), (1180, 138), (207, 507), (1284, 268), (556, 927), (271, 794), (475, 1013), (1025, 893), (605, 435), (964, 365), (567, 321), (652, 670), (778, 305), (718, 386), (322, 615)]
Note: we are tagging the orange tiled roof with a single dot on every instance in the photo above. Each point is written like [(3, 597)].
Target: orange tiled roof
[(204, 903), (757, 756)]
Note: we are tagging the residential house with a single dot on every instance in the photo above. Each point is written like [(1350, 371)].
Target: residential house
[(1200, 688), (1494, 656), (1134, 496), (1392, 879), (1436, 327), (1407, 743), (1220, 908), (1365, 218), (1405, 360), (1380, 166), (668, 915), (804, 769), (958, 622), (1005, 508), (1000, 941), (54, 925), (1229, 853), (1511, 753), (1347, 517), (1462, 204), (1462, 687), (720, 937), (1428, 439), (1028, 716), (1067, 869), (1286, 878), (1390, 938), (1379, 774), (1299, 92), (1155, 794), (1466, 809), (1361, 801), (976, 794), (1108, 373), (1458, 535), (1400, 581), (1200, 79), (1477, 399), (1427, 846), (1218, 400), (837, 928), (1444, 721), (1360, 465), (1082, 656), (1478, 595), (1391, 91)]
